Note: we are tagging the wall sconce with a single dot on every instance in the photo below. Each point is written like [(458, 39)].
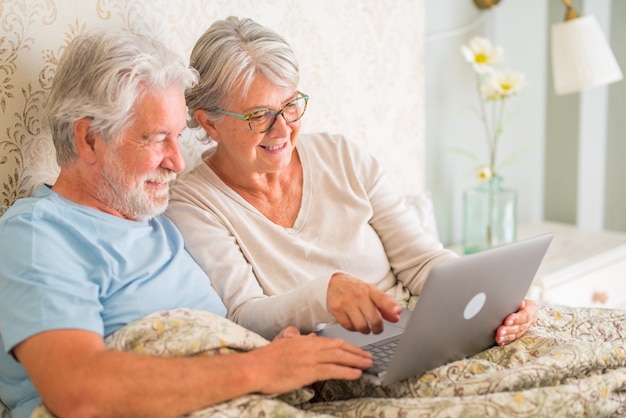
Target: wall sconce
[(581, 55), (486, 4)]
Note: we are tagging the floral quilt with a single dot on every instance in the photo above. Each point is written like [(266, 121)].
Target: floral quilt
[(572, 363)]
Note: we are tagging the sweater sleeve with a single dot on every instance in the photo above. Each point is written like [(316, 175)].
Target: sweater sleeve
[(411, 251)]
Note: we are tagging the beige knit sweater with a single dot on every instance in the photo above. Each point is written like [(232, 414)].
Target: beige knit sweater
[(351, 220)]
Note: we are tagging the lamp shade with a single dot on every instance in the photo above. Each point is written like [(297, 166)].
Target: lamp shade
[(581, 56)]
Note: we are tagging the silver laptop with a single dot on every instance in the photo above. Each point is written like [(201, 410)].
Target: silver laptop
[(462, 304)]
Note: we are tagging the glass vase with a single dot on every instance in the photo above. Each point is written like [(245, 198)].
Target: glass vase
[(489, 216)]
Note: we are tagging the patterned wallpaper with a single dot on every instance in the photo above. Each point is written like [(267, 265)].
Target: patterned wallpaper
[(361, 62)]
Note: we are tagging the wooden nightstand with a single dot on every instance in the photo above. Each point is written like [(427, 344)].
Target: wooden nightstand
[(581, 268)]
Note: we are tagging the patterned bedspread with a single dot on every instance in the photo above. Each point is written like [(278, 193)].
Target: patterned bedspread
[(572, 363)]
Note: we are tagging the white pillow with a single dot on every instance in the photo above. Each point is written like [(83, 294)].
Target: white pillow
[(422, 203)]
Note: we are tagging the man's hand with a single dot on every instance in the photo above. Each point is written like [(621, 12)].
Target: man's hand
[(516, 324), (293, 360), (288, 333), (360, 306)]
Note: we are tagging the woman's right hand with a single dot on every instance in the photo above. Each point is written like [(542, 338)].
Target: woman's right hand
[(360, 306)]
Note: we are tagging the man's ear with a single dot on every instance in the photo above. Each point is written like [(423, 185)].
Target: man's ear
[(207, 124), (85, 140)]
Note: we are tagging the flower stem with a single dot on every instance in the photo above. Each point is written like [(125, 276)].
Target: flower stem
[(484, 118), (497, 131), (490, 222)]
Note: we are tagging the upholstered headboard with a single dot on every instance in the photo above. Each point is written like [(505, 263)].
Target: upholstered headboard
[(361, 63)]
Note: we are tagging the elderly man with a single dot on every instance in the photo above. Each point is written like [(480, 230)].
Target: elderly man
[(91, 253)]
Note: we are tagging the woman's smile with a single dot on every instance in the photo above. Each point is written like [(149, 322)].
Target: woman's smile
[(274, 147)]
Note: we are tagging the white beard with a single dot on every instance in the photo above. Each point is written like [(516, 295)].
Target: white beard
[(129, 196)]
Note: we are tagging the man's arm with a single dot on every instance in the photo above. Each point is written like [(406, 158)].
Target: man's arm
[(77, 376)]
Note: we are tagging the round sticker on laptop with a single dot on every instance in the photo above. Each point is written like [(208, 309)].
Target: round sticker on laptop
[(474, 305)]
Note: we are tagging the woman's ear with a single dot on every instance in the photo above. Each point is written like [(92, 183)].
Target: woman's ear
[(85, 140), (207, 124)]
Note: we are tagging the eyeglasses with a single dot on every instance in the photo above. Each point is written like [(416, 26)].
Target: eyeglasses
[(262, 120)]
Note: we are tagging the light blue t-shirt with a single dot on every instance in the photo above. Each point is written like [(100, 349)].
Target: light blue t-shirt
[(64, 265)]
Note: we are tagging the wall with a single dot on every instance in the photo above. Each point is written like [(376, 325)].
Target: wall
[(575, 170), (520, 28), (585, 151), (615, 151), (361, 63)]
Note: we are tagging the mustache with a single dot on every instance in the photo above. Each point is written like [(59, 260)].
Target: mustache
[(163, 176)]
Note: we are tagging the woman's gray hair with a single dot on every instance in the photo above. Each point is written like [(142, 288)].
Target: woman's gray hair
[(228, 56), (100, 76)]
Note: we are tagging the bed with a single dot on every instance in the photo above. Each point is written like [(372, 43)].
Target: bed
[(572, 363)]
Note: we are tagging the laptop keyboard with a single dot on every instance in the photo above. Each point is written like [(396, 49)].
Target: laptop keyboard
[(382, 352)]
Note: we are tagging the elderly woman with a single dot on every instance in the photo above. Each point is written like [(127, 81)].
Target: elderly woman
[(293, 229)]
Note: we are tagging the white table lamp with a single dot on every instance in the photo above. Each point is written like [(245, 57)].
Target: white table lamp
[(581, 55)]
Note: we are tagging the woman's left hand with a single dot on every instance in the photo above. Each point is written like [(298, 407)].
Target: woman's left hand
[(516, 324)]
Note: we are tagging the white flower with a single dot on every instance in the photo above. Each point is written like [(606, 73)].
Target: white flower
[(494, 87), (481, 54), (499, 85), (484, 173)]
